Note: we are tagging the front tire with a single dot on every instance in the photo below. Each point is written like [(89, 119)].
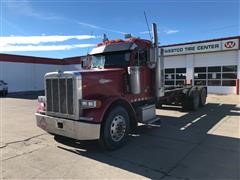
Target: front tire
[(115, 129)]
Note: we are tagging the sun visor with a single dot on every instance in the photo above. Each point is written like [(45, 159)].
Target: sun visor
[(113, 48)]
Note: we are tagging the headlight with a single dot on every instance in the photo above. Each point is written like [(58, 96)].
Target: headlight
[(41, 99), (41, 107), (88, 104), (41, 104)]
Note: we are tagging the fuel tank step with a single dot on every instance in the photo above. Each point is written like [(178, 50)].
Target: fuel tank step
[(152, 121)]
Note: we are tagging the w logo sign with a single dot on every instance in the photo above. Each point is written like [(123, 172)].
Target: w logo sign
[(229, 44)]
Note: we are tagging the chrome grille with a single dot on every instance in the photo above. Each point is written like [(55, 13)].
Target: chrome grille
[(49, 94), (59, 95), (70, 96), (55, 95), (63, 99)]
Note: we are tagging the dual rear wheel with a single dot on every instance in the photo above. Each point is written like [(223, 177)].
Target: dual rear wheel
[(194, 99)]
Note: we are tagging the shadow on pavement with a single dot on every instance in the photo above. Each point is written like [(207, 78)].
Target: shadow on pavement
[(181, 147)]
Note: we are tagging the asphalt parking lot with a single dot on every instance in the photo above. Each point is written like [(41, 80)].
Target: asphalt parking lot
[(196, 145)]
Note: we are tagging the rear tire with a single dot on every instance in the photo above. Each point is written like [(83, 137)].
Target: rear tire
[(185, 103), (191, 101), (194, 100), (203, 97), (115, 129)]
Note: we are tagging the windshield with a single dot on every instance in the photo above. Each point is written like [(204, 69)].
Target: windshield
[(117, 59)]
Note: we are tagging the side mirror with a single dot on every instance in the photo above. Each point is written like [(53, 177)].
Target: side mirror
[(152, 58)]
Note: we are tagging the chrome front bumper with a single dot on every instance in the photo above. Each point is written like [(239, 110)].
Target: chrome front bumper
[(68, 128)]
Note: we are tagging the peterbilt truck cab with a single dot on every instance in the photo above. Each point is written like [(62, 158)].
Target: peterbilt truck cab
[(122, 86)]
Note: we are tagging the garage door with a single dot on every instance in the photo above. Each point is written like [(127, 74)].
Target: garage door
[(175, 76), (219, 79)]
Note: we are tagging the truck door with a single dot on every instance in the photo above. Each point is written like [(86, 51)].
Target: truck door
[(141, 58)]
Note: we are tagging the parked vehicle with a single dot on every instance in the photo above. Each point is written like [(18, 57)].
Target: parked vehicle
[(122, 87), (3, 88)]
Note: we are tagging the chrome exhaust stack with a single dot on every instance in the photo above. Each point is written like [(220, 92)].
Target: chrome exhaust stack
[(159, 68)]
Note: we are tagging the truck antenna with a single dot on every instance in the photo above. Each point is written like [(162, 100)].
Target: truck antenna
[(105, 38), (91, 34), (147, 25)]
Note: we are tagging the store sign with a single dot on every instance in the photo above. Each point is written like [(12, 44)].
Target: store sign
[(202, 47)]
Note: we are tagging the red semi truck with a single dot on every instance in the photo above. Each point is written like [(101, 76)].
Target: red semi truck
[(123, 86)]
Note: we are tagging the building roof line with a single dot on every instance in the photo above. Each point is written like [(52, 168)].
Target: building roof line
[(202, 41), (39, 60)]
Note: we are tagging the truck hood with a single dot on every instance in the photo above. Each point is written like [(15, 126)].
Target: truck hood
[(98, 83)]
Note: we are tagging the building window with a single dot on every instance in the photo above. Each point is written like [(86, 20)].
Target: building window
[(175, 76), (214, 82), (180, 82), (200, 69), (167, 71), (200, 82), (169, 83), (229, 82), (214, 69), (229, 68), (200, 76), (229, 75), (215, 75)]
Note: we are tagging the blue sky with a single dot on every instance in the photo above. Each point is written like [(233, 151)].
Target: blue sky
[(60, 28)]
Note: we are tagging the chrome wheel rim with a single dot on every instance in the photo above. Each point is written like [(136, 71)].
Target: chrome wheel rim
[(118, 128)]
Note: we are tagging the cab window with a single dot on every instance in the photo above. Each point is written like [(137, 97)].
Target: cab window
[(141, 58)]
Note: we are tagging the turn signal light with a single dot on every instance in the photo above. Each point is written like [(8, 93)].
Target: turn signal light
[(41, 104), (41, 107), (98, 103)]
